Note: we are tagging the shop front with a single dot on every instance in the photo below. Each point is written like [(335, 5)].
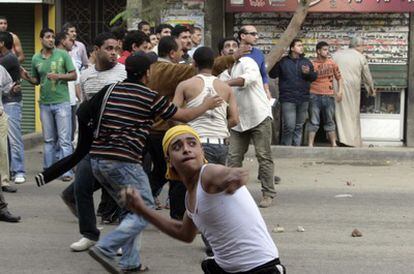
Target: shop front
[(384, 25)]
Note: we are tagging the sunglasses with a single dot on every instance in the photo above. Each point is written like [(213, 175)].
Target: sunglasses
[(252, 33)]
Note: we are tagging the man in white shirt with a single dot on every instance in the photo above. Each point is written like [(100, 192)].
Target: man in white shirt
[(78, 51), (105, 71), (227, 46), (255, 125)]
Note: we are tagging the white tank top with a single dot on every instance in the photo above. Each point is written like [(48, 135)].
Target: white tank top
[(213, 123), (234, 227)]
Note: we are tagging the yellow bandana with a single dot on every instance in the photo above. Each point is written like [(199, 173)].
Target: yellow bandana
[(173, 132)]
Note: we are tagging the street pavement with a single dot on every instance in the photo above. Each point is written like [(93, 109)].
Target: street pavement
[(375, 197)]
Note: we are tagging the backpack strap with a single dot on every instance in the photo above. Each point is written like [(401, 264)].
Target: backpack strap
[(103, 104)]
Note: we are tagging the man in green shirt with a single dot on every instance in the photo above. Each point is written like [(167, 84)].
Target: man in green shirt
[(51, 69)]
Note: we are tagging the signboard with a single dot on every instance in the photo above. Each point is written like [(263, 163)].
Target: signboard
[(385, 6)]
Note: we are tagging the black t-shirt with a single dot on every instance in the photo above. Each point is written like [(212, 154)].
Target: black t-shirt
[(10, 62)]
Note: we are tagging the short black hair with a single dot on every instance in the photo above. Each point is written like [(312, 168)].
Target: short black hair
[(44, 31), (59, 37), (7, 39), (143, 23), (194, 28), (160, 27), (293, 43), (204, 57), (167, 44), (321, 44), (67, 26), (2, 17), (178, 30), (136, 37), (102, 37), (223, 41), (137, 65)]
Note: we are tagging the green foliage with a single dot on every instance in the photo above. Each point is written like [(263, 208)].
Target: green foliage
[(152, 11)]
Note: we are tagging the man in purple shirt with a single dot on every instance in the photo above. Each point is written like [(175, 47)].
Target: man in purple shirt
[(78, 52)]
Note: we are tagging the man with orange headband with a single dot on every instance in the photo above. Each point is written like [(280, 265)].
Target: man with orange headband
[(217, 200)]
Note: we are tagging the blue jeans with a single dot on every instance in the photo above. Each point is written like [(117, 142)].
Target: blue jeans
[(293, 118), (115, 175), (215, 153), (57, 130), (321, 104), (14, 111)]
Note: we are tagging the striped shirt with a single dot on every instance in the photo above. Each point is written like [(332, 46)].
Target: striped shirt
[(126, 121)]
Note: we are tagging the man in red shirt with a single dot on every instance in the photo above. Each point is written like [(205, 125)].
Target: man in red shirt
[(322, 98)]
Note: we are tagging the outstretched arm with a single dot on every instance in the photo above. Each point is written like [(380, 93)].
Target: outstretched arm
[(181, 230)]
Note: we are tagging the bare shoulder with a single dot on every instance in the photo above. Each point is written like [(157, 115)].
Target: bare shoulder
[(222, 87)]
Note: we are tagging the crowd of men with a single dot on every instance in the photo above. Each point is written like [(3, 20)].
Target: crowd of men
[(112, 120)]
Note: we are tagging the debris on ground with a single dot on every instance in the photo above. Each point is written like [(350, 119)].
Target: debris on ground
[(343, 196), (278, 229), (356, 233), (300, 229)]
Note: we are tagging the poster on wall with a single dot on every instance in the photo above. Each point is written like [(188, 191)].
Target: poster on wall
[(185, 20)]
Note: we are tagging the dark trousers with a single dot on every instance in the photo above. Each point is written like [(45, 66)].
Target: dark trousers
[(81, 191), (3, 204), (273, 267), (157, 177)]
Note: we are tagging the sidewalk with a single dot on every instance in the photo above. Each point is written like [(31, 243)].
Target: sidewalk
[(324, 153)]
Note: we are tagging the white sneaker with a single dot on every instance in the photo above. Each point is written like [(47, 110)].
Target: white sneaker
[(19, 179), (82, 245)]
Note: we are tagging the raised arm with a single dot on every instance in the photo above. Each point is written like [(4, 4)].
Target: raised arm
[(181, 230)]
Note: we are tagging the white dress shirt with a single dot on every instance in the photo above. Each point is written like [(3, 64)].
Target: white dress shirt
[(254, 106)]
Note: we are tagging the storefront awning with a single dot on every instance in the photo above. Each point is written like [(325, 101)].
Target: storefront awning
[(360, 6), (52, 2)]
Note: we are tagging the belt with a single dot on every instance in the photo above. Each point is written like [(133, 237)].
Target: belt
[(215, 141)]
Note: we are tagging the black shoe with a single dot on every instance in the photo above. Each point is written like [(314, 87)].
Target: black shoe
[(6, 216), (71, 205), (9, 189), (108, 263)]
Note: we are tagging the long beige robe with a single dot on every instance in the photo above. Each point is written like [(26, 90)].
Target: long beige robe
[(354, 70)]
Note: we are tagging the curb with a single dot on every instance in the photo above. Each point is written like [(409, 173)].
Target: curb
[(31, 140), (341, 153)]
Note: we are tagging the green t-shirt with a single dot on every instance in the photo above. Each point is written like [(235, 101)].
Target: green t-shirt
[(52, 91)]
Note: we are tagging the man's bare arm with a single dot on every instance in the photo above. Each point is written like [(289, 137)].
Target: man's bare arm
[(232, 110), (218, 178), (18, 50), (181, 230), (70, 76), (186, 115), (178, 99)]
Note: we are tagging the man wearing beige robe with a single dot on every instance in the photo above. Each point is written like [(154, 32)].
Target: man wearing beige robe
[(354, 70)]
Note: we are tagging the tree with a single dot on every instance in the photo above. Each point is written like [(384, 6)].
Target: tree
[(288, 35)]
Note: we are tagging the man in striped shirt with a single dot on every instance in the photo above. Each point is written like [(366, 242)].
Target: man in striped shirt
[(116, 154)]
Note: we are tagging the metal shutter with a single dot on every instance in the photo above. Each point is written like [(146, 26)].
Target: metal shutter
[(20, 19)]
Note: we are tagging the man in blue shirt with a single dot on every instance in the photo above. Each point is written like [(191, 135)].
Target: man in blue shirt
[(248, 36)]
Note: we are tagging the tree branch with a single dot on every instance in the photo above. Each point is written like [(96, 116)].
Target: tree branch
[(288, 35)]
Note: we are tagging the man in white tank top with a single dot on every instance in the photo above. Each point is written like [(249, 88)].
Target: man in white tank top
[(212, 126), (217, 200)]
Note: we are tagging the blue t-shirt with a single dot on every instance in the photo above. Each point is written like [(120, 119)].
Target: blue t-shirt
[(257, 55)]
